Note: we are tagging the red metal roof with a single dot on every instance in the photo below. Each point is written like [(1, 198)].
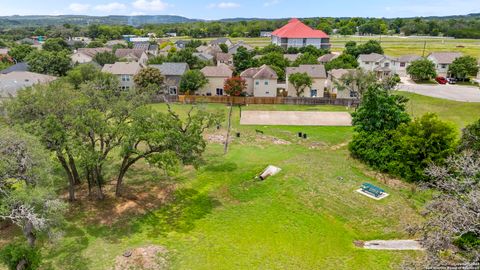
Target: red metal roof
[(296, 29)]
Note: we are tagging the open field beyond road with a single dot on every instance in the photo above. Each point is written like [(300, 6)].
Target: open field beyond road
[(393, 45), (296, 118)]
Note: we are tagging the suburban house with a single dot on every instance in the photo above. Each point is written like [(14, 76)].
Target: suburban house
[(14, 81), (292, 57), (265, 33), (327, 58), (318, 75), (86, 55), (216, 76), (224, 58), (384, 65), (234, 48), (112, 43), (261, 81), (381, 64), (334, 77), (212, 50), (443, 60), (149, 48), (173, 73), (181, 44), (132, 55), (124, 71), (222, 40), (204, 56), (296, 34)]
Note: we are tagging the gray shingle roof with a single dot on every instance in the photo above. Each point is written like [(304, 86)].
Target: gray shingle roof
[(263, 72), (445, 57), (12, 82), (292, 57), (122, 68), (408, 58), (203, 56), (219, 41), (327, 57), (338, 73), (93, 51), (221, 70), (134, 53), (314, 71), (172, 69), (373, 57)]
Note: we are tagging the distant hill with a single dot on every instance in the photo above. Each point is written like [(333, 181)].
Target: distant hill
[(45, 20)]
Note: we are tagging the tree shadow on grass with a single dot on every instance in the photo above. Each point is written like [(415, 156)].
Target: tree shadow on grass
[(179, 215), (68, 251), (221, 167)]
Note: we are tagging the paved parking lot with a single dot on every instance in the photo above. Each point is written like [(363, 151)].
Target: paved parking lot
[(296, 118), (451, 92)]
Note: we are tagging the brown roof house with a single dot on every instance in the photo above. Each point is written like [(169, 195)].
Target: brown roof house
[(318, 75), (133, 55), (327, 58), (216, 76), (86, 55), (125, 71), (224, 58), (443, 60), (261, 81)]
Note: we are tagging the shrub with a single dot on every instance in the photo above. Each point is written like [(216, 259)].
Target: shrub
[(12, 254)]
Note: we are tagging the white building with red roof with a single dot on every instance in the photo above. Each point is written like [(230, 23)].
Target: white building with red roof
[(297, 34)]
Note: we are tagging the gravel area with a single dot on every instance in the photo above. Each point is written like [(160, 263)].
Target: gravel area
[(296, 118)]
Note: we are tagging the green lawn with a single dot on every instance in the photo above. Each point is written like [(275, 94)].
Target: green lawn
[(220, 217), (393, 45), (458, 113)]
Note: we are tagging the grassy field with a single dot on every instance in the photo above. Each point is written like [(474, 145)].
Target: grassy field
[(394, 46), (220, 217)]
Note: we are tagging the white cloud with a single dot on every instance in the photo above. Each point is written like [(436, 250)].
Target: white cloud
[(271, 3), (151, 5), (110, 7), (78, 8), (224, 5)]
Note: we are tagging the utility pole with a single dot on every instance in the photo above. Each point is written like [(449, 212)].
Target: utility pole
[(424, 47)]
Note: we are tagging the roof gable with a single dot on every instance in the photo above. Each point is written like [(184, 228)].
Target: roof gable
[(296, 29)]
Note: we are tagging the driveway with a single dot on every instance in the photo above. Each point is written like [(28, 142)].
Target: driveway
[(448, 91), (296, 118)]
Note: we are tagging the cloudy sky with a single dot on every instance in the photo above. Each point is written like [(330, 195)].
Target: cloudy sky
[(245, 8)]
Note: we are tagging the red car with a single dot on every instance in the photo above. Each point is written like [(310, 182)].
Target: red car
[(441, 80)]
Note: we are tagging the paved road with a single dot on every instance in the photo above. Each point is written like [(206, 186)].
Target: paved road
[(451, 92), (296, 118)]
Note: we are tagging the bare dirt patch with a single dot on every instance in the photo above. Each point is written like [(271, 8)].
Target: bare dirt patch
[(145, 258)]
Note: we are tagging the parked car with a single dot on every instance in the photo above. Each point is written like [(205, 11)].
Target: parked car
[(441, 80), (452, 80)]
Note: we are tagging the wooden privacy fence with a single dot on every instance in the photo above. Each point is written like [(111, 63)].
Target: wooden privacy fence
[(267, 100)]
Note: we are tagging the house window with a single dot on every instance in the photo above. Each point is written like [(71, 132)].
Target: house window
[(402, 64), (266, 82), (257, 82), (313, 93), (219, 92), (387, 65), (353, 94), (125, 78), (172, 90), (367, 63), (444, 66), (377, 63)]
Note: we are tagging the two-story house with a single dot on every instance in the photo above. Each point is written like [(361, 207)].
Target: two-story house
[(133, 55), (318, 75), (261, 81), (173, 73), (216, 76), (125, 71), (296, 34), (443, 60)]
